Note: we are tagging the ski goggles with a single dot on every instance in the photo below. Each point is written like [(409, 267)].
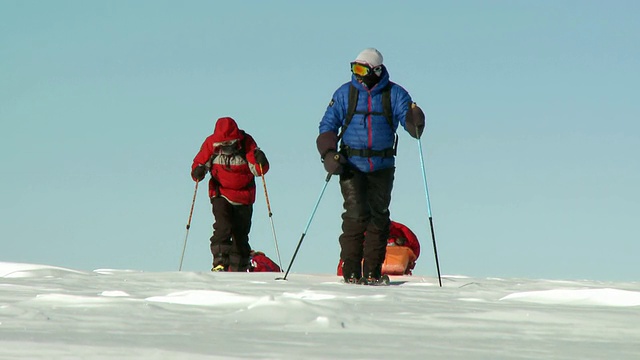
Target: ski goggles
[(364, 69)]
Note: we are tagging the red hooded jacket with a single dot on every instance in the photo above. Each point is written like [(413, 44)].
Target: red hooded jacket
[(232, 175)]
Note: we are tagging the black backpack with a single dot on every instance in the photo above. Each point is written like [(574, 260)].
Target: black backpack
[(351, 111)]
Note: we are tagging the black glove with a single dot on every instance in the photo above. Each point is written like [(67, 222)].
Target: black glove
[(334, 162), (198, 173), (261, 158), (415, 121)]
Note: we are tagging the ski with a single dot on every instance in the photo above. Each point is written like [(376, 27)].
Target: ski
[(383, 281)]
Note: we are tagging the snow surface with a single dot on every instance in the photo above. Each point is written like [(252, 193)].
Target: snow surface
[(49, 312)]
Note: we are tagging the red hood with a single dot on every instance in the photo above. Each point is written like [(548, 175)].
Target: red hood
[(226, 130)]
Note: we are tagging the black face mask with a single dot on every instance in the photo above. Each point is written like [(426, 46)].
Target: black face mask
[(370, 79), (229, 149)]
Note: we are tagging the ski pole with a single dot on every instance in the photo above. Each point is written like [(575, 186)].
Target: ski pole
[(426, 191), (184, 247), (306, 227), (273, 229)]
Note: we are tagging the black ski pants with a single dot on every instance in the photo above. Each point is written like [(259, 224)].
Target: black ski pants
[(230, 241), (365, 221)]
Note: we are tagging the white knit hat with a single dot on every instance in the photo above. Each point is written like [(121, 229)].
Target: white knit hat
[(370, 56)]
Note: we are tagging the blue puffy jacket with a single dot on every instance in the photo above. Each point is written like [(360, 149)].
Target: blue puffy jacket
[(367, 131)]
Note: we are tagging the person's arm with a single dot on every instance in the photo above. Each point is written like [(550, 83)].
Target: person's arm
[(256, 158), (198, 168), (415, 121), (409, 114), (327, 140)]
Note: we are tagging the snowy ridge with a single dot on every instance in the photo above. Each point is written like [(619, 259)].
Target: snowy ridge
[(51, 312)]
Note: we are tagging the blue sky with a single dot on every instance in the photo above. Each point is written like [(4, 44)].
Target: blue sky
[(530, 149)]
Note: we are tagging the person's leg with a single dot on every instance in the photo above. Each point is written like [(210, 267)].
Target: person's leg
[(379, 187), (239, 257), (221, 239), (354, 223)]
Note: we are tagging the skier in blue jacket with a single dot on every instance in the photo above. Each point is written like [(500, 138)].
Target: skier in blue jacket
[(362, 152)]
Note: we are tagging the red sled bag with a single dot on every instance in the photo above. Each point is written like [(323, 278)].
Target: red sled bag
[(403, 249), (261, 263)]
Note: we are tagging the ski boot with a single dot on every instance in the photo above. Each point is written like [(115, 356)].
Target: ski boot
[(218, 268), (352, 279), (371, 279)]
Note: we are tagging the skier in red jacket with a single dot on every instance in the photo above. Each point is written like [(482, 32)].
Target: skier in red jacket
[(233, 159)]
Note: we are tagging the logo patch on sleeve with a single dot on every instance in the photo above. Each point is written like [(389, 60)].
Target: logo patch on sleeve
[(331, 103)]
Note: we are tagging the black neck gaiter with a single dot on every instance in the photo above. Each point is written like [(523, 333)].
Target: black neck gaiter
[(370, 80)]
